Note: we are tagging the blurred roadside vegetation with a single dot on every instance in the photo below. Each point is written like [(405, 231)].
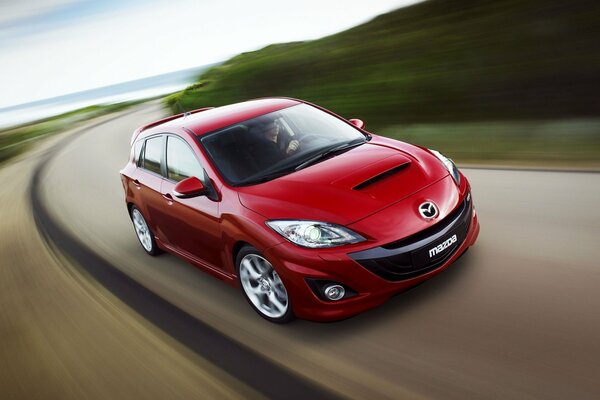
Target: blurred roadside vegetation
[(15, 140), (484, 81), (558, 143)]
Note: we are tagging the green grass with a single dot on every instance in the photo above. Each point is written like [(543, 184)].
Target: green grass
[(15, 140), (435, 61), (572, 142), (435, 65)]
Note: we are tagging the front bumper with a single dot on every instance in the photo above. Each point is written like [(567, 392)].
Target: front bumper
[(374, 273), (414, 256)]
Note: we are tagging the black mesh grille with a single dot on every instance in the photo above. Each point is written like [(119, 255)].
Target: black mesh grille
[(410, 257), (449, 219)]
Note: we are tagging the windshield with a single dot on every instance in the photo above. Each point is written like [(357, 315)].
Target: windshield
[(274, 144)]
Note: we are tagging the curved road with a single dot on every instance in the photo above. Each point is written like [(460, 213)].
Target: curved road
[(517, 317)]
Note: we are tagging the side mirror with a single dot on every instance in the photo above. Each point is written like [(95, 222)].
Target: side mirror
[(357, 123), (189, 187)]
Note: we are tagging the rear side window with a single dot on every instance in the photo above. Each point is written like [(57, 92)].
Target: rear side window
[(153, 154), (181, 161)]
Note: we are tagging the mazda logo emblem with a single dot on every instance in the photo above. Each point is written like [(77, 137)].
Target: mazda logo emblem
[(428, 210)]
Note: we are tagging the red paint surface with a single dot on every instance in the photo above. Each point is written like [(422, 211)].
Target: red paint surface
[(205, 231)]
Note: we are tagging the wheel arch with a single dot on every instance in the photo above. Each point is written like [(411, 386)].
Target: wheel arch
[(237, 246), (129, 207)]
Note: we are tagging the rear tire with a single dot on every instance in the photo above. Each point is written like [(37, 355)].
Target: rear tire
[(143, 232), (262, 286)]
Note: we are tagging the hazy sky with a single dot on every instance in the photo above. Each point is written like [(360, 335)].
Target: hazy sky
[(54, 47)]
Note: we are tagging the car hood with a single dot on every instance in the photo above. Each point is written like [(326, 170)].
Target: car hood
[(349, 186)]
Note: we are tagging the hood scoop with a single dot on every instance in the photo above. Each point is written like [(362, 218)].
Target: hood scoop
[(369, 174), (346, 188), (383, 175)]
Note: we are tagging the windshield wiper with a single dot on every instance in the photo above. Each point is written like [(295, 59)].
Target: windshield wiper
[(327, 153), (287, 170), (266, 178)]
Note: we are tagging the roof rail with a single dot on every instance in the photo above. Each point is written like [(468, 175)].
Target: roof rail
[(167, 119)]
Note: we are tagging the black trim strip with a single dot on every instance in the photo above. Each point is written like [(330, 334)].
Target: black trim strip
[(401, 260), (255, 370), (461, 214), (530, 169), (381, 176)]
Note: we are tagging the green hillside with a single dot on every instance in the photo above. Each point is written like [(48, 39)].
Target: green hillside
[(434, 61), (515, 64), (15, 140)]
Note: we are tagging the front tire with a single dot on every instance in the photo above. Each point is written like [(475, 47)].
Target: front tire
[(262, 286), (143, 232)]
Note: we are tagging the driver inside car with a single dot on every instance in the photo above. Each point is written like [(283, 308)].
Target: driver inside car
[(275, 142)]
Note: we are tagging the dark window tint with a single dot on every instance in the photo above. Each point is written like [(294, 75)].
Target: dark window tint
[(258, 149), (181, 161), (153, 154)]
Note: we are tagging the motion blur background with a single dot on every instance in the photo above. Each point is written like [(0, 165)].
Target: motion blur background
[(484, 81), (499, 86)]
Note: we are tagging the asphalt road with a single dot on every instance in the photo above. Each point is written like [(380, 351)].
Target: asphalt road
[(517, 317), (63, 336)]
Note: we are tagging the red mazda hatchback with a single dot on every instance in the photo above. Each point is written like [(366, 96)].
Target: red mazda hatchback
[(309, 213)]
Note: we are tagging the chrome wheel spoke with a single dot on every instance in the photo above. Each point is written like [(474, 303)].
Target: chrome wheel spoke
[(257, 291), (251, 269), (276, 303), (280, 290), (141, 230), (259, 265), (254, 293), (263, 287), (278, 286)]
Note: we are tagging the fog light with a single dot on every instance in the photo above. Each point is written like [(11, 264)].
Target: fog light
[(334, 292)]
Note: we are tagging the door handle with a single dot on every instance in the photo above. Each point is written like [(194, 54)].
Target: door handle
[(137, 184), (167, 196)]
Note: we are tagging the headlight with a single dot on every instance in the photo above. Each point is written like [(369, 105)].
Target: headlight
[(314, 234), (449, 164)]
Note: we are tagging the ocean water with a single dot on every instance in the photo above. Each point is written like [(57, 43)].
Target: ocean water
[(37, 112), (126, 91), (33, 113)]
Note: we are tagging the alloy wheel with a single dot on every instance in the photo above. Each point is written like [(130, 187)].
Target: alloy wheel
[(263, 286), (141, 230)]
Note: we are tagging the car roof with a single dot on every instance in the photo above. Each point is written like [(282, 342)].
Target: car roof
[(209, 120)]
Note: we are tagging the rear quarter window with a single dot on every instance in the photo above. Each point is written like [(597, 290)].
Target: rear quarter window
[(153, 151)]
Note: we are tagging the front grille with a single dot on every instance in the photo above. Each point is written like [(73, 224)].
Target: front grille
[(410, 257)]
